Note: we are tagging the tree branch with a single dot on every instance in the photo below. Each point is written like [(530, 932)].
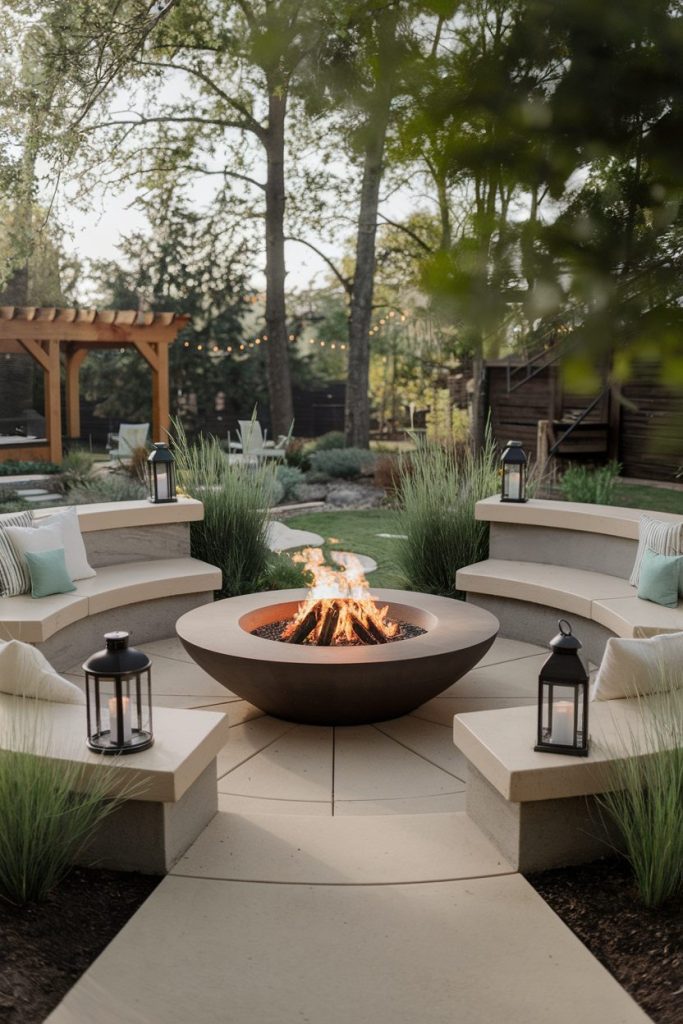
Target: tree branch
[(142, 120), (346, 282), (251, 124), (408, 231)]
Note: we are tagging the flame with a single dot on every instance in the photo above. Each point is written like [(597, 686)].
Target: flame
[(343, 592)]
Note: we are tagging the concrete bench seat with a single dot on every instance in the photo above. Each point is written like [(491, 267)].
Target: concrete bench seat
[(175, 793), (550, 557), (145, 580), (144, 597), (538, 808), (598, 597), (35, 620)]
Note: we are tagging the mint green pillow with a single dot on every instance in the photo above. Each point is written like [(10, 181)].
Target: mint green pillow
[(47, 570), (660, 578)]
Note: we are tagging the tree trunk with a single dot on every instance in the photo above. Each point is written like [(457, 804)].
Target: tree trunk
[(279, 382), (357, 412)]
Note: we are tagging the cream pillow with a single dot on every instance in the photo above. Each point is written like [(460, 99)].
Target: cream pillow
[(632, 667), (75, 555), (26, 672), (25, 539), (662, 537)]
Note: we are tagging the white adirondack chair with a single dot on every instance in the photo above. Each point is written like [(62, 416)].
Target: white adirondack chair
[(130, 436), (253, 442)]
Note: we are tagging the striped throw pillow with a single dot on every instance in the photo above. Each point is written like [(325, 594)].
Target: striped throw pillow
[(664, 538), (14, 575)]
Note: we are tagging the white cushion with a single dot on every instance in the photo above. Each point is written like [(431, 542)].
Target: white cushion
[(14, 574), (662, 537), (29, 539), (26, 672), (75, 555), (633, 667)]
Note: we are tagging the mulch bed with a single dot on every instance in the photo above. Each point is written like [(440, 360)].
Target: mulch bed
[(46, 947), (641, 948)]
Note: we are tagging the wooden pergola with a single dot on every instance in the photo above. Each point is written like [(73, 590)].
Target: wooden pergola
[(48, 334)]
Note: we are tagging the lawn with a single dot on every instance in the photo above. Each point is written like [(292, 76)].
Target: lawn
[(658, 499), (358, 531)]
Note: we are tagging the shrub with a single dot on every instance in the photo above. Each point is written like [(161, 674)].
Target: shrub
[(439, 488), (647, 795), (290, 477), (585, 484), (232, 534), (328, 442), (77, 469), (297, 455), (48, 808), (107, 488), (15, 467), (340, 462)]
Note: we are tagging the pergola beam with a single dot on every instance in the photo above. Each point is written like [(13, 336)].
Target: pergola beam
[(41, 333)]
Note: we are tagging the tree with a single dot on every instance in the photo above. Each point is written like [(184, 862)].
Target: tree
[(240, 63)]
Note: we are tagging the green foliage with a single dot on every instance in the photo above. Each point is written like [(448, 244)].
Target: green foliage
[(347, 463), (12, 503), (14, 467), (326, 442), (107, 488), (595, 486), (77, 469), (290, 477), (48, 808), (647, 795), (439, 489), (281, 573), (236, 498), (297, 456)]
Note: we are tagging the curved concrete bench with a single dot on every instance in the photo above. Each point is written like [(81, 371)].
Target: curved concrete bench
[(145, 581), (540, 809), (568, 558), (174, 792)]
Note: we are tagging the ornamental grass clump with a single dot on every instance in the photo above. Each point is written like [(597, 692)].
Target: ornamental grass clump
[(593, 486), (49, 807), (439, 487), (646, 796), (236, 499)]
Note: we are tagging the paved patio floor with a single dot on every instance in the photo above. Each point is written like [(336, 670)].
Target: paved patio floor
[(342, 883)]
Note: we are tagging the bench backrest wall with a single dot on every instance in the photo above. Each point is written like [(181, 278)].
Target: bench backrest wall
[(593, 552)]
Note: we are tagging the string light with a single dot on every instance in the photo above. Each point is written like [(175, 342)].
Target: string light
[(258, 341), (199, 348), (186, 344)]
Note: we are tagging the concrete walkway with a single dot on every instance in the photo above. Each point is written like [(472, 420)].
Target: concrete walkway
[(342, 883)]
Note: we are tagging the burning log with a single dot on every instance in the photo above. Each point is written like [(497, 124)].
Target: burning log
[(329, 624), (306, 626), (378, 636), (361, 632)]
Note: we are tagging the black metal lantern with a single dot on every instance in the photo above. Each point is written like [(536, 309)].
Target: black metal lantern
[(161, 472), (563, 698), (513, 463), (118, 691)]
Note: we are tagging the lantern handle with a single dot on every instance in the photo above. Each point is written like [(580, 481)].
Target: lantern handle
[(564, 627)]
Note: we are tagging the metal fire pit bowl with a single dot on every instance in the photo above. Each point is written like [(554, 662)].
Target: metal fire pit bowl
[(337, 685)]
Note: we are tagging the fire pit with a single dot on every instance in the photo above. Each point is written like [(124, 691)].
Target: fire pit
[(431, 642)]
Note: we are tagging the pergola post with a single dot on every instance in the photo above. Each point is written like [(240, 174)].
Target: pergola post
[(53, 405), (73, 360), (161, 414)]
